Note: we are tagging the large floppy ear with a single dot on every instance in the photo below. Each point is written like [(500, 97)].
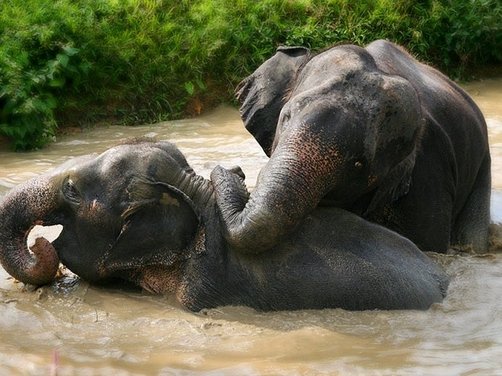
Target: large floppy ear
[(159, 224), (263, 94), (398, 137)]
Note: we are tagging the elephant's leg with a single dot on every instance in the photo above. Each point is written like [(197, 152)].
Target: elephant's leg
[(471, 225)]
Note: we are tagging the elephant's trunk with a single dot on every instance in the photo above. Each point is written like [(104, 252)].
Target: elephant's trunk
[(21, 209)]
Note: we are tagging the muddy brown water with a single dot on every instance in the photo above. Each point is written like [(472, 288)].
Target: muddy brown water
[(73, 328)]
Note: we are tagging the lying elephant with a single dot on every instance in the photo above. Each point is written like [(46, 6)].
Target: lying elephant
[(370, 130), (139, 213)]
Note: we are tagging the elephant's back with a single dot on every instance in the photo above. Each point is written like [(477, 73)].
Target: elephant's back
[(452, 119), (377, 256), (338, 260), (441, 97)]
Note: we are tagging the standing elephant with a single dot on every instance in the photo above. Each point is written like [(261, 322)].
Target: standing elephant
[(139, 213), (370, 130)]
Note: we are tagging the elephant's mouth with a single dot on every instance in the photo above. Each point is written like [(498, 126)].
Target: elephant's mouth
[(158, 279), (50, 233)]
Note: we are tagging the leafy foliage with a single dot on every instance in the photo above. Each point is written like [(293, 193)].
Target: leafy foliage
[(79, 62)]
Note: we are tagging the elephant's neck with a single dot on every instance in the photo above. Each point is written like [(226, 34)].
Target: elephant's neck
[(202, 264)]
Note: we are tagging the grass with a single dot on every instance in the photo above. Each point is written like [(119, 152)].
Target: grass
[(79, 62)]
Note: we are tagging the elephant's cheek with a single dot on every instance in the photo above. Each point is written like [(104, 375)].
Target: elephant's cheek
[(159, 279), (372, 181)]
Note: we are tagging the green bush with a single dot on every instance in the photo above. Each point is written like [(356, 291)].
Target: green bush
[(78, 62), (37, 64), (457, 34)]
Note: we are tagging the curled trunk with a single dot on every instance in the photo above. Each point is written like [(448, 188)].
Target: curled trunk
[(21, 209)]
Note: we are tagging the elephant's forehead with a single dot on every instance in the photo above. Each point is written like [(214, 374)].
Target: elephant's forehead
[(126, 157), (74, 163), (337, 61), (337, 58)]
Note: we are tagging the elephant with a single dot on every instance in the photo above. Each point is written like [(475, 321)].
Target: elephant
[(370, 130), (139, 214)]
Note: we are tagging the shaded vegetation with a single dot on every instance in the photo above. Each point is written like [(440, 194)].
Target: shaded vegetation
[(77, 62)]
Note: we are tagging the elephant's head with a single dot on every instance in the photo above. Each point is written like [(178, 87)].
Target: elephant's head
[(132, 206), (263, 94), (338, 130)]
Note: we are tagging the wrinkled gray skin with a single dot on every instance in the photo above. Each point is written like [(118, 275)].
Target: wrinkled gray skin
[(139, 213), (370, 130)]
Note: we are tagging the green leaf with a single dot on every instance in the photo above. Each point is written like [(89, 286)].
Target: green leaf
[(201, 84), (70, 51), (189, 87), (63, 59), (57, 82), (51, 102)]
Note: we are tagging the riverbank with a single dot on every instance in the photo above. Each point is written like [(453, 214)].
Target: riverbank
[(70, 63)]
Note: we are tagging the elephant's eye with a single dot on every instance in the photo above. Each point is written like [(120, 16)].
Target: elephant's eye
[(70, 192)]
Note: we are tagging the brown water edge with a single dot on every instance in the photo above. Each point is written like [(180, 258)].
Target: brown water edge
[(78, 329)]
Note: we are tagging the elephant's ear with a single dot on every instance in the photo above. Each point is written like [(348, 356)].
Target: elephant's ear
[(395, 185), (399, 135), (160, 224), (263, 94)]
